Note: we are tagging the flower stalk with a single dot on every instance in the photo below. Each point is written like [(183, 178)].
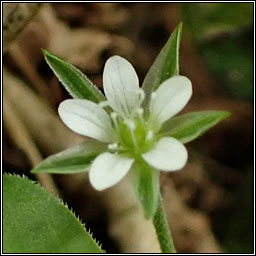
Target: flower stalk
[(162, 230)]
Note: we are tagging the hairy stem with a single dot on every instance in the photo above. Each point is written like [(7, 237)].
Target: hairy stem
[(162, 230)]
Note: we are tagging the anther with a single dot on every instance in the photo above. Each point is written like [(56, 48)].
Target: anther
[(113, 146), (149, 135), (114, 117), (130, 124), (139, 111), (103, 104), (141, 94), (153, 95)]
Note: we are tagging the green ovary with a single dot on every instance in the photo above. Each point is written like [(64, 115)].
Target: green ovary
[(135, 140)]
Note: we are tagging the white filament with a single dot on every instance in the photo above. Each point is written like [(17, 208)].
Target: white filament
[(130, 124)]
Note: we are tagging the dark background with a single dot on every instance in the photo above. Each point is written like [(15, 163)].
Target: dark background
[(216, 188)]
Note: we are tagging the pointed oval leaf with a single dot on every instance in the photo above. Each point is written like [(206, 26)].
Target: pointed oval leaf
[(189, 126), (145, 180), (74, 81), (165, 65), (36, 222), (73, 160)]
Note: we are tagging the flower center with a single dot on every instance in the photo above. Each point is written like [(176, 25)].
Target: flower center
[(134, 135)]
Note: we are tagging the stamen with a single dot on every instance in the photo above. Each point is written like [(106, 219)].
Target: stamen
[(114, 117), (149, 135), (153, 95), (113, 146), (141, 94), (130, 124), (103, 104), (140, 111)]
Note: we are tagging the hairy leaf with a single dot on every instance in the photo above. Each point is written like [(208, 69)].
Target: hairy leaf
[(165, 65), (74, 81), (36, 222), (72, 160), (189, 126)]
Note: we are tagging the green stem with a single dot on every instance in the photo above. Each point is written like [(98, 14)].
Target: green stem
[(162, 230)]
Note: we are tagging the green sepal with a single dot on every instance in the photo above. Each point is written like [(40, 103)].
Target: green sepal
[(73, 160), (165, 65), (145, 181), (74, 81), (189, 126), (34, 221)]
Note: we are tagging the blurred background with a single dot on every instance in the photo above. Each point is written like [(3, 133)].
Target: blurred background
[(210, 203)]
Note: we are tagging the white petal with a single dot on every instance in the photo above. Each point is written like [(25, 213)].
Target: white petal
[(121, 85), (168, 155), (87, 118), (108, 169), (170, 98)]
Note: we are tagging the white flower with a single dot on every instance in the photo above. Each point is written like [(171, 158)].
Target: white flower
[(131, 133)]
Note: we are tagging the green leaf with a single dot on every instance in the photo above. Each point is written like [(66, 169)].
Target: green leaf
[(145, 180), (72, 160), (74, 81), (189, 126), (36, 222), (165, 65)]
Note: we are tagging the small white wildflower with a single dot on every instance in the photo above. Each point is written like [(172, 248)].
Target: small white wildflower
[(127, 129)]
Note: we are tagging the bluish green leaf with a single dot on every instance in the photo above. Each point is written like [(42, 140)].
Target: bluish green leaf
[(165, 65), (74, 81), (36, 222), (72, 160), (189, 126), (145, 181)]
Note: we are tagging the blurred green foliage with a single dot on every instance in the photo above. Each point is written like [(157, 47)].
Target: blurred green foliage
[(223, 34), (208, 19)]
